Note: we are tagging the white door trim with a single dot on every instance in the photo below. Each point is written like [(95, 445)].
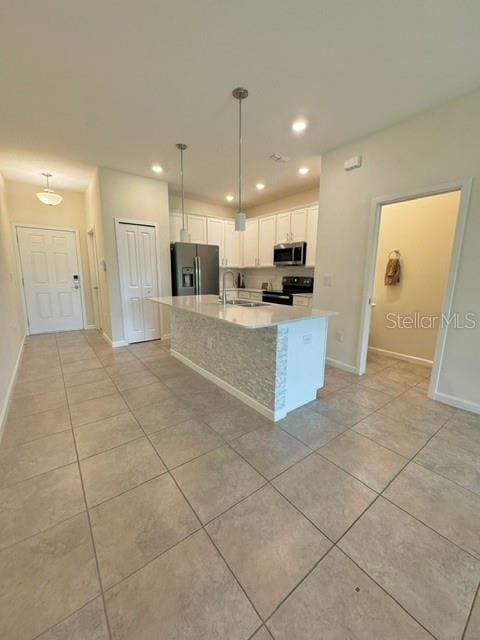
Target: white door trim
[(465, 187), (93, 262), (16, 226), (142, 223)]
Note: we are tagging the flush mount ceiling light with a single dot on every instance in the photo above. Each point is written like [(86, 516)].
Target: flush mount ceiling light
[(303, 171), (260, 186), (240, 218), (183, 231), (48, 196), (299, 125), (229, 198), (156, 168)]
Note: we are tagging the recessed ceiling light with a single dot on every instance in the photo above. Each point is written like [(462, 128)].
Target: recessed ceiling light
[(259, 186), (303, 171), (156, 168), (229, 198), (299, 125)]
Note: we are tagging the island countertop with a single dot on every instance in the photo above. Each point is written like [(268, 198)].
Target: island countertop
[(267, 315)]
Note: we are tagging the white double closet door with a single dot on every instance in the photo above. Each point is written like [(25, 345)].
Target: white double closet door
[(51, 279), (137, 258)]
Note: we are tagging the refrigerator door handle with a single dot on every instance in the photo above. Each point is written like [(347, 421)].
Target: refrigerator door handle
[(195, 271), (199, 269)]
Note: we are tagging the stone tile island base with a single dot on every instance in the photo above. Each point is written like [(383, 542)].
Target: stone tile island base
[(272, 369)]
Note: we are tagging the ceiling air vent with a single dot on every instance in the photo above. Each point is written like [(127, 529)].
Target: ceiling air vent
[(278, 157)]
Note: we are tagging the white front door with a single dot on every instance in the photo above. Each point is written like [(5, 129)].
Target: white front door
[(137, 257), (51, 279)]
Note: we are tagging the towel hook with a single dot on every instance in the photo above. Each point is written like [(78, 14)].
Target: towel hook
[(397, 251)]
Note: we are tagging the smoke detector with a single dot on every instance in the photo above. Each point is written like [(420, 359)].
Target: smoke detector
[(278, 157)]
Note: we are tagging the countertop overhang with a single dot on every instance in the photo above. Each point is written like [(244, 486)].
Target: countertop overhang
[(260, 317)]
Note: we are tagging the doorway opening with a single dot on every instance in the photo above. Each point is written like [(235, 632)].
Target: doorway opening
[(412, 265)]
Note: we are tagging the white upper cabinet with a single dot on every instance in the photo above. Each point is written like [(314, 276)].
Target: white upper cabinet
[(197, 228), (266, 240), (215, 232), (312, 227), (175, 226), (231, 245), (283, 228), (299, 225), (254, 246), (250, 244)]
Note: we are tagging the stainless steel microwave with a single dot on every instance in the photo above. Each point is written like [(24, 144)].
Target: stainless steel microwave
[(289, 254)]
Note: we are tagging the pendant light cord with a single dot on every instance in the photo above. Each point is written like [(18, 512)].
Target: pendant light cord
[(183, 197), (181, 147), (240, 155)]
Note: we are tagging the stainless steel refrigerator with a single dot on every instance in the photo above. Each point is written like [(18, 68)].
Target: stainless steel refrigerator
[(195, 269)]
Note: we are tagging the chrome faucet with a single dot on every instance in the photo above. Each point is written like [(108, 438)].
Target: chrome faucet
[(224, 291)]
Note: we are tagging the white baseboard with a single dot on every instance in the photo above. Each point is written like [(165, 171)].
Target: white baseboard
[(458, 403), (11, 384), (89, 327), (341, 365), (115, 343), (401, 356), (254, 404)]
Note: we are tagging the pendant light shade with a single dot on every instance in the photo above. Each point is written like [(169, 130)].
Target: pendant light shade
[(48, 195), (184, 235), (240, 218)]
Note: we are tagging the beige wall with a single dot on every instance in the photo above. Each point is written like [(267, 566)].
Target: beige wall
[(428, 150), (25, 208), (284, 204), (199, 207), (12, 321), (423, 230), (123, 195)]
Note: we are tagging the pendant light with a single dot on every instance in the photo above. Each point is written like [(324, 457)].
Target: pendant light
[(240, 94), (184, 236), (48, 195)]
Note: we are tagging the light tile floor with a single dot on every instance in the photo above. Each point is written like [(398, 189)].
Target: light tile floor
[(138, 501)]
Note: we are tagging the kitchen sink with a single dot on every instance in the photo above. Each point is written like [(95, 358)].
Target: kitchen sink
[(246, 303)]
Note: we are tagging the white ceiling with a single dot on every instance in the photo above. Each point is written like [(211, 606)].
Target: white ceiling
[(117, 83)]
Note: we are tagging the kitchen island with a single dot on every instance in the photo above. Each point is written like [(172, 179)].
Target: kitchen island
[(270, 356)]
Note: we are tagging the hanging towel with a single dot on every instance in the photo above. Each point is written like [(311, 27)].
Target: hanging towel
[(392, 272)]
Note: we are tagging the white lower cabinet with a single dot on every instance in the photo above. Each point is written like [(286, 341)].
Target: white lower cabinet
[(302, 301)]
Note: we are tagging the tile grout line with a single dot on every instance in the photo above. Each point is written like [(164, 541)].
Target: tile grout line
[(202, 526), (470, 613), (92, 539), (270, 482)]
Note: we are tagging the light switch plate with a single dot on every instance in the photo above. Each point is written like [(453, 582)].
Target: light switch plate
[(328, 280)]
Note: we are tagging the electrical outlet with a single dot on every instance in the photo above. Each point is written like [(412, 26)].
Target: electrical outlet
[(340, 336), (328, 280)]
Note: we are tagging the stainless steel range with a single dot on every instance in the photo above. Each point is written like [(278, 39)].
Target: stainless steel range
[(290, 285)]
